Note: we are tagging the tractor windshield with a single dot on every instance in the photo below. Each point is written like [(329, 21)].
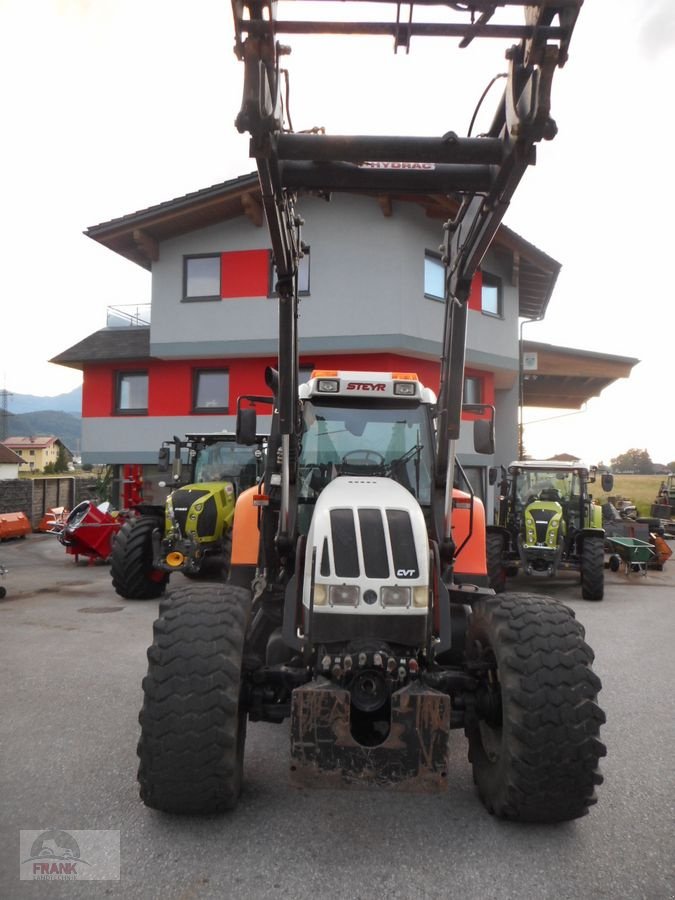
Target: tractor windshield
[(227, 461), (393, 441), (547, 485)]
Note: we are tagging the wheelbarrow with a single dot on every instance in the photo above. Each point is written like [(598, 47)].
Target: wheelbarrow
[(632, 552)]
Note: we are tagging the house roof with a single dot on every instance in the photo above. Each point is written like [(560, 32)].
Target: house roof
[(566, 378), (36, 442), (137, 236), (8, 456), (108, 345)]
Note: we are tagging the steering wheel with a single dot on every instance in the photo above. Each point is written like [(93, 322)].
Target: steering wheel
[(367, 458)]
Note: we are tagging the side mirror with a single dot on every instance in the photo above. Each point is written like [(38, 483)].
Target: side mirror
[(493, 474), (163, 459), (484, 436), (247, 426), (607, 482)]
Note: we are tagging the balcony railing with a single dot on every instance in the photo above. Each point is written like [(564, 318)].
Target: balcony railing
[(128, 315)]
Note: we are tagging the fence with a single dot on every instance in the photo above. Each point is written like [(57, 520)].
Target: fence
[(34, 496)]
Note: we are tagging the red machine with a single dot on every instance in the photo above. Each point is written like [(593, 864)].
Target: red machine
[(89, 531)]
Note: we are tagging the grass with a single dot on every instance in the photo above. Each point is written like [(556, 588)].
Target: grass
[(641, 489)]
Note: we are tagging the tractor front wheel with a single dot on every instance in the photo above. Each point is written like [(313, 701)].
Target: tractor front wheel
[(534, 731), (593, 567), (193, 726), (133, 575)]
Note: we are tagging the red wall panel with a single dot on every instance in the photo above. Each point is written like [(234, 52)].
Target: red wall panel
[(244, 274), (170, 382), (475, 298), (97, 392)]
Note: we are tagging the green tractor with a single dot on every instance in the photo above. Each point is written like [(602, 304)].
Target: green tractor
[(548, 522), (195, 524)]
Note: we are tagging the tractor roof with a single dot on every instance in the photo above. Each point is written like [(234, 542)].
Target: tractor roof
[(548, 465)]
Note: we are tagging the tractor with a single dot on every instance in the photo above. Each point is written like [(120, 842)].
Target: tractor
[(194, 526), (357, 603), (547, 522)]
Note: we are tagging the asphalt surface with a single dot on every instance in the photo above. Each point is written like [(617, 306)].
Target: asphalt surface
[(72, 656)]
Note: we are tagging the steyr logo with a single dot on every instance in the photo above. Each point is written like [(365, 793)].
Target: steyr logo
[(365, 386)]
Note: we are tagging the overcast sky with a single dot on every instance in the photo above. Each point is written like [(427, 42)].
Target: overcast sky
[(110, 106)]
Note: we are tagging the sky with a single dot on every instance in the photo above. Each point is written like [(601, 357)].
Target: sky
[(111, 106)]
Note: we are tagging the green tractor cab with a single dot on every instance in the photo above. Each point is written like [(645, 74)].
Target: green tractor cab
[(208, 472), (548, 522)]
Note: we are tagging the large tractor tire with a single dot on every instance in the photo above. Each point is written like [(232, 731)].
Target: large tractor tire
[(534, 738), (593, 568), (133, 575), (496, 569), (193, 726)]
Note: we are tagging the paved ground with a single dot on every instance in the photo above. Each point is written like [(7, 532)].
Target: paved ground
[(72, 656)]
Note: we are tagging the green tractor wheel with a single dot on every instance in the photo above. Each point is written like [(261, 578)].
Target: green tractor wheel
[(495, 563), (593, 567)]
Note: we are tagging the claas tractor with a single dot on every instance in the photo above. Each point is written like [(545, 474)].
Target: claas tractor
[(547, 522), (194, 526), (357, 603)]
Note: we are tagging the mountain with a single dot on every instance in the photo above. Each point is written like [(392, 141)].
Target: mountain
[(29, 403), (62, 425)]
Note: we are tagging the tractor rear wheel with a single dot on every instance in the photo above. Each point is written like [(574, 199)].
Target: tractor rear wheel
[(495, 562), (534, 736), (593, 567), (133, 575), (193, 726)]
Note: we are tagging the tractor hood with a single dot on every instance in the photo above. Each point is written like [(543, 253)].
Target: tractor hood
[(367, 559)]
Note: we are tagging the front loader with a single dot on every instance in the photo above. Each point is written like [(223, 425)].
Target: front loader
[(358, 602)]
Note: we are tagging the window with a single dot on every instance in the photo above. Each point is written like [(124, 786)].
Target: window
[(434, 276), (131, 393), (491, 296), (303, 276), (476, 478), (201, 277), (210, 391), (473, 389)]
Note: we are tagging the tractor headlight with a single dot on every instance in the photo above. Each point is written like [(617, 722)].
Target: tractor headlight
[(328, 386), (395, 596), (421, 597), (320, 595), (405, 388), (342, 594)]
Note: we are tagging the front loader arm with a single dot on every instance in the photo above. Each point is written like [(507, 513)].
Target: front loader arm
[(481, 172)]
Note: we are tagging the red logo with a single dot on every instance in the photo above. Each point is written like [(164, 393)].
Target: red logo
[(365, 386)]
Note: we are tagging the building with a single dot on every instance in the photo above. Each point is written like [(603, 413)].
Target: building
[(37, 451), (372, 298), (9, 463)]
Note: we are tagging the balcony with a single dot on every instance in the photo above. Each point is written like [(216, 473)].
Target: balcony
[(128, 316)]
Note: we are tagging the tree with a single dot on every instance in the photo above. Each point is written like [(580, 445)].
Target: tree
[(633, 460), (61, 464)]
